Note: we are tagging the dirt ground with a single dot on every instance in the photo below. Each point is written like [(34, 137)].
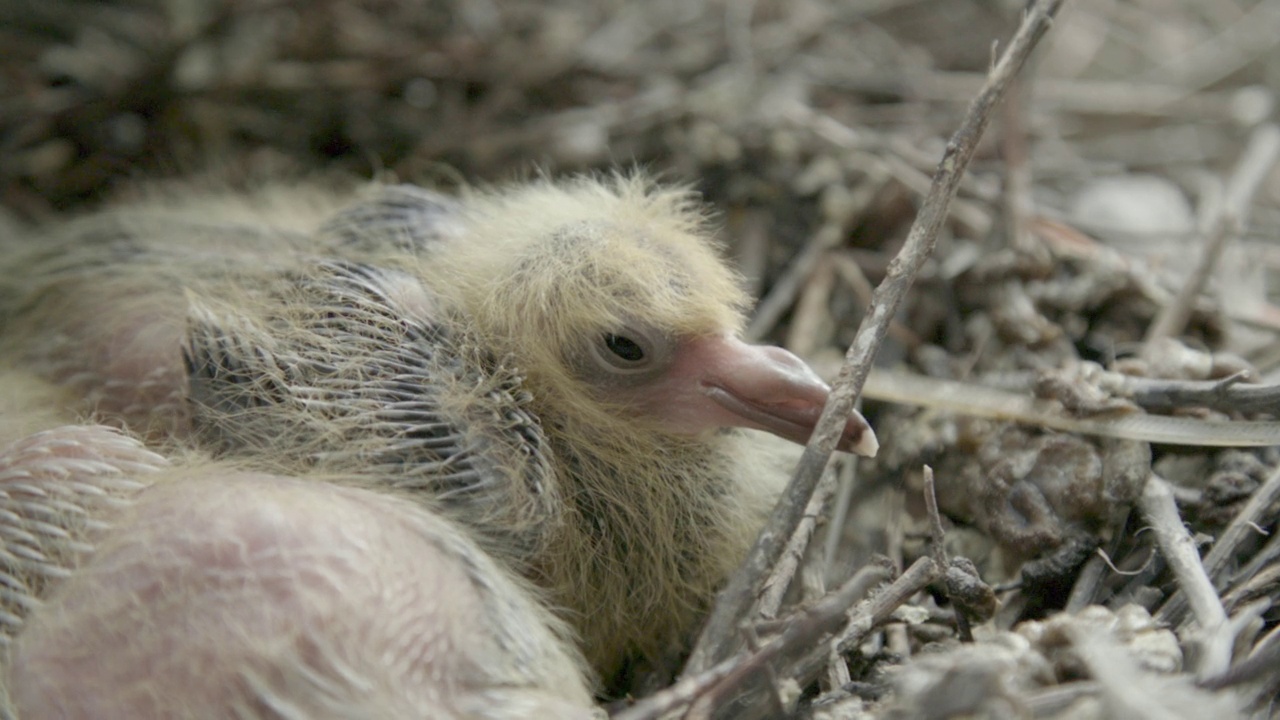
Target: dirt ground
[(1043, 364)]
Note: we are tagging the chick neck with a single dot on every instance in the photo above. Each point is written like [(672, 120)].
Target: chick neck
[(652, 525)]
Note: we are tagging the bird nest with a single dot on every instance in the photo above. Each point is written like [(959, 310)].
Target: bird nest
[(1075, 397)]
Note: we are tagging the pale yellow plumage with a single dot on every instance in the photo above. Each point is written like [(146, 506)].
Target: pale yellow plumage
[(573, 343)]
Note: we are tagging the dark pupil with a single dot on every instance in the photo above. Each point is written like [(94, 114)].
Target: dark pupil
[(624, 347)]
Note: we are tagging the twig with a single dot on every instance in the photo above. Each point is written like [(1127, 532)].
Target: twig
[(1128, 691), (938, 537), (1227, 395), (1263, 558), (837, 675), (848, 269), (678, 695), (985, 401), (1179, 549), (800, 633), (785, 569), (874, 613), (1255, 162), (1241, 527), (1262, 661), (848, 478), (718, 637), (936, 533), (1253, 586), (1253, 34)]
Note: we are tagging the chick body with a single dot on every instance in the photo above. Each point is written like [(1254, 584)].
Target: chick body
[(139, 587), (551, 367), (229, 594)]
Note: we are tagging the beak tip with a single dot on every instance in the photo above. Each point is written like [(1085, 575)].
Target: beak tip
[(859, 438), (867, 445)]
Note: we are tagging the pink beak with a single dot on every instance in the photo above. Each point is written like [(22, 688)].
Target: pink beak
[(721, 381)]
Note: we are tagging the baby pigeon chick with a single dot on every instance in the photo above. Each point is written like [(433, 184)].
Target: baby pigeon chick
[(555, 367)]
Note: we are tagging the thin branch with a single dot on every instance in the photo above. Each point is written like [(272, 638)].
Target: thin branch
[(718, 637), (1129, 691), (873, 614), (1226, 395), (936, 533), (938, 538), (1261, 662), (775, 588), (989, 402), (679, 695), (705, 690), (848, 479), (1241, 528), (1179, 549)]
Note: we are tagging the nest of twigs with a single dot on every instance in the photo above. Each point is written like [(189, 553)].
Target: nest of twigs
[(1087, 361)]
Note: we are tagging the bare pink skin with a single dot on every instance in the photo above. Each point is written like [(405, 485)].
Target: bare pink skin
[(220, 594)]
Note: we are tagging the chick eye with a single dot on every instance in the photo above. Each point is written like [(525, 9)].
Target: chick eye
[(624, 348), (630, 350)]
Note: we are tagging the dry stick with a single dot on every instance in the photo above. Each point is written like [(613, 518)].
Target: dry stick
[(1179, 549), (1259, 585), (718, 637), (1251, 35), (851, 272), (1085, 589), (775, 588), (1244, 525), (986, 401), (874, 613), (938, 537), (848, 479), (1127, 690), (826, 616), (1228, 395), (799, 634), (1263, 558), (1254, 164), (936, 532), (678, 695), (1262, 661)]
